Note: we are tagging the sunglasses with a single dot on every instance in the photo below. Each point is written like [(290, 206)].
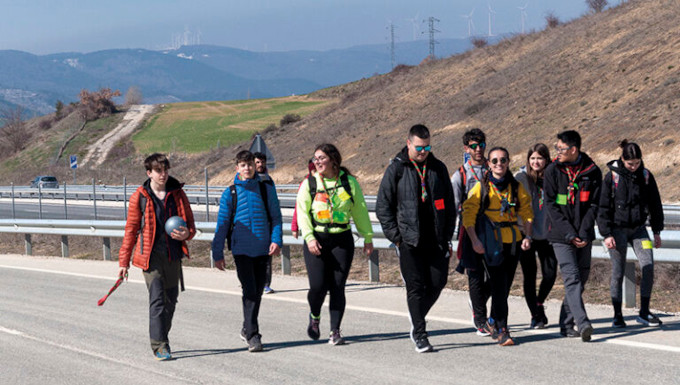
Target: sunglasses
[(561, 150), (421, 148), (503, 160), (475, 145)]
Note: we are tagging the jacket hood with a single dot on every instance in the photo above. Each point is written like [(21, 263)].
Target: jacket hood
[(617, 166), (246, 182), (171, 185)]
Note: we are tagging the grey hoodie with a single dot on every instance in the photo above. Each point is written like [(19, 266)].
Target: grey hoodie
[(540, 225)]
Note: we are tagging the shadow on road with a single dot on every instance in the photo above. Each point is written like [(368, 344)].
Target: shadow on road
[(181, 354)]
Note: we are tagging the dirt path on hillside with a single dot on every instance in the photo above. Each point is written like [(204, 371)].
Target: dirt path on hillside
[(98, 151)]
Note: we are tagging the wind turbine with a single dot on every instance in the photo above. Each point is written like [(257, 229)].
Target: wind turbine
[(471, 25), (523, 15), (416, 24), (491, 11)]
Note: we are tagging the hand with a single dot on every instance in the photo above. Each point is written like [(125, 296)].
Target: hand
[(296, 234), (123, 272), (526, 244), (368, 248), (274, 249), (578, 242), (314, 247), (609, 242), (220, 264), (450, 251), (477, 246), (180, 234), (657, 240)]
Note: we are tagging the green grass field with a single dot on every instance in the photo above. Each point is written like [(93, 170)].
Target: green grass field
[(199, 126)]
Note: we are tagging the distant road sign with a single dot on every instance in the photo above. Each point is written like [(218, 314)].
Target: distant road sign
[(259, 146), (73, 161)]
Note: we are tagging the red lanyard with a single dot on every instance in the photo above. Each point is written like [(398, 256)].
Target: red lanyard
[(423, 191), (572, 173), (505, 200), (474, 174)]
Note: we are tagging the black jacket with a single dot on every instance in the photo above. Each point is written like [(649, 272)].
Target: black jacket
[(635, 197), (571, 220), (397, 203)]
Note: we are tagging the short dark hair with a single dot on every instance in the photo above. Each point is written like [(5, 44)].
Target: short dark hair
[(244, 156), (261, 156), (630, 150), (420, 131), (156, 160), (474, 134), (570, 138), (498, 148)]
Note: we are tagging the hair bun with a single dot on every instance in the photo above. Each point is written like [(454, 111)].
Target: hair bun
[(623, 143)]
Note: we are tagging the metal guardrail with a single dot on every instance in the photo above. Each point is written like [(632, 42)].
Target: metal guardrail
[(205, 232)]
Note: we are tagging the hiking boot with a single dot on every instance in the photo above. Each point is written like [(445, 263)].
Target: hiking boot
[(423, 345), (255, 343), (163, 354), (586, 333), (313, 328), (649, 320), (268, 290), (618, 321), (243, 336), (335, 338), (504, 338), (569, 332)]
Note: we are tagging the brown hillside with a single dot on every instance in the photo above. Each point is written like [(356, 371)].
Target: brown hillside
[(611, 76)]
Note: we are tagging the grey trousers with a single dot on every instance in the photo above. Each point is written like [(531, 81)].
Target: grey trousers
[(639, 240), (162, 279), (575, 268)]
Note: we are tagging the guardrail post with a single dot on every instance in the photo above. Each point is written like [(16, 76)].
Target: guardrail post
[(285, 260), (94, 199), (629, 285), (65, 204), (106, 245), (207, 196), (28, 244), (125, 197), (39, 201), (64, 246), (14, 215), (374, 266)]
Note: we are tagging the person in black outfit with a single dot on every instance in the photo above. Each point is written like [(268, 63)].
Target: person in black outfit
[(572, 192), (417, 211), (629, 196), (261, 169)]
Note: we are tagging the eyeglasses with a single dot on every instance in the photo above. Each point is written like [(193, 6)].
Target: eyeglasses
[(319, 159), (561, 150), (503, 160), (474, 146), (421, 148)]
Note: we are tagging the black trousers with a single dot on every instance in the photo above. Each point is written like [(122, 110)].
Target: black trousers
[(425, 270), (162, 281), (328, 272), (501, 278), (527, 259), (479, 285), (251, 273), (268, 277)]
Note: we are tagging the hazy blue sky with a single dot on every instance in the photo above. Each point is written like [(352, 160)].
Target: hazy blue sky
[(49, 26)]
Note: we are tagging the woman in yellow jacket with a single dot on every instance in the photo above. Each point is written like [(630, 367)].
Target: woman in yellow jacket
[(503, 199), (325, 203)]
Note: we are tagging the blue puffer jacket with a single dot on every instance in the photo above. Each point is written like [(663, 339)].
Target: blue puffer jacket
[(252, 234)]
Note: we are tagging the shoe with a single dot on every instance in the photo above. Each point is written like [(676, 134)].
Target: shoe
[(649, 320), (489, 328), (243, 335), (569, 332), (313, 328), (423, 345), (481, 331), (163, 354), (535, 320), (586, 333), (618, 321), (542, 320), (504, 338), (255, 343), (268, 290), (336, 338)]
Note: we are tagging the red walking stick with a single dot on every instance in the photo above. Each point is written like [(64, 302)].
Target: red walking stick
[(113, 288)]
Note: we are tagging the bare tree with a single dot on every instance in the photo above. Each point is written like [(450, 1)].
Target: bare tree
[(479, 42), (13, 133), (94, 105), (133, 96), (596, 5), (551, 19)]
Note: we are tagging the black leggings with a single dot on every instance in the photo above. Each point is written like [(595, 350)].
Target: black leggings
[(327, 273), (501, 281), (546, 254)]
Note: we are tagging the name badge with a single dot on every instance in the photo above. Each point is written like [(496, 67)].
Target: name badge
[(321, 197), (439, 204), (561, 199), (344, 196), (324, 214)]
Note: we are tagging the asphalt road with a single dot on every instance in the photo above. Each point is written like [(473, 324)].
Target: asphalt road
[(51, 331)]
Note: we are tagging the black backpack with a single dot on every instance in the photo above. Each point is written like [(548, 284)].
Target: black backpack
[(234, 201)]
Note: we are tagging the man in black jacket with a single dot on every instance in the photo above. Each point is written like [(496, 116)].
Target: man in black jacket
[(417, 211), (572, 193)]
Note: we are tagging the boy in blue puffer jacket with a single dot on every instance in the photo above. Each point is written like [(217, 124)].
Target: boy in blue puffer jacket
[(253, 227)]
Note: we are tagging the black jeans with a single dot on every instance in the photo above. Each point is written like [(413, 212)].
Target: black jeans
[(327, 273), (268, 277), (501, 277), (251, 273), (527, 259), (479, 285), (425, 270), (162, 281)]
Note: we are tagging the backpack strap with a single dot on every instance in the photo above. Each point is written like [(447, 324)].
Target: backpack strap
[(344, 182), (645, 172), (234, 201), (142, 209)]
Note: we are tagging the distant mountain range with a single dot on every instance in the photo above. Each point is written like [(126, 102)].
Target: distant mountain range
[(200, 72)]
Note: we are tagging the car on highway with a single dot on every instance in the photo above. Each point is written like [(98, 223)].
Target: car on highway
[(45, 181)]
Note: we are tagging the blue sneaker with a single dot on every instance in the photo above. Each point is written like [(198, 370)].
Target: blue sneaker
[(268, 290), (163, 354)]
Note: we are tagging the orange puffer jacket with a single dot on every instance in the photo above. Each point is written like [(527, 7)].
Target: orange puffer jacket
[(140, 230)]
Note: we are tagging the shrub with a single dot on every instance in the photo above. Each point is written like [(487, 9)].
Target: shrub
[(479, 42), (551, 19), (596, 5), (290, 118), (98, 104)]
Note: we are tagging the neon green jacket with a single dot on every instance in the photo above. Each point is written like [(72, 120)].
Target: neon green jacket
[(338, 212)]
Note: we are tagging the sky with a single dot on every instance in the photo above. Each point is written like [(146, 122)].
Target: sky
[(51, 26)]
